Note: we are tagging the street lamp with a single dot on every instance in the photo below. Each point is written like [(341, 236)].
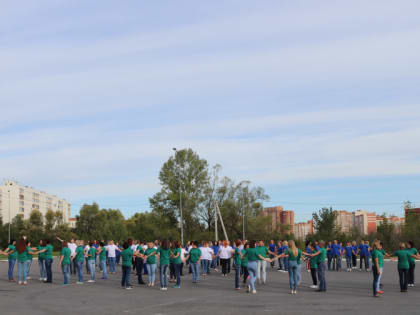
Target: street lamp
[(180, 200), (9, 214)]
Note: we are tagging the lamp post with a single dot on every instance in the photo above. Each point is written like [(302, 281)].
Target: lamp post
[(9, 214), (180, 200)]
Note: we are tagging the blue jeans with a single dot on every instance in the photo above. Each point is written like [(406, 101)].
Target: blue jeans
[(380, 276), (111, 263), (205, 265), (125, 281), (252, 270), (195, 267), (42, 270), (375, 280), (321, 276), (66, 273), (79, 265), (92, 270), (163, 276), (299, 273), (293, 278), (151, 272), (178, 273), (237, 276), (102, 263), (349, 262), (22, 271), (48, 265), (12, 263), (286, 263)]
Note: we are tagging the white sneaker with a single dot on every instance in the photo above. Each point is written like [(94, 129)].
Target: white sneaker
[(91, 281), (128, 288), (313, 286), (20, 282), (41, 279), (254, 292)]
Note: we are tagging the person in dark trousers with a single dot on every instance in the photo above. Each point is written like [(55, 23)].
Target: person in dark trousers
[(412, 262), (321, 254), (403, 266), (139, 259), (354, 254), (329, 255), (364, 255)]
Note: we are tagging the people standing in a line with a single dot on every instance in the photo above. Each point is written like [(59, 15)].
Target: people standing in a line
[(403, 266), (127, 257), (79, 258), (377, 267), (102, 260), (91, 254), (150, 255), (194, 256), (176, 255), (412, 262), (65, 262), (163, 252)]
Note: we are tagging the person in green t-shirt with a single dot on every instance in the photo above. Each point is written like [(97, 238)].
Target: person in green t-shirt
[(403, 266), (41, 261), (294, 256), (377, 267), (101, 251), (237, 258), (313, 265), (11, 254), (127, 258), (413, 254), (177, 263), (244, 263), (48, 250), (163, 252), (261, 263), (321, 254), (139, 261), (79, 258), (195, 257), (150, 255), (23, 250), (29, 257), (252, 254), (91, 256), (65, 261)]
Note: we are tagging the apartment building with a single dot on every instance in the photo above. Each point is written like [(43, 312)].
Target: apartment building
[(16, 199), (302, 229), (280, 217)]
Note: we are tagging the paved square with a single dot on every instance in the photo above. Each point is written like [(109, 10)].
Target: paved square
[(348, 293)]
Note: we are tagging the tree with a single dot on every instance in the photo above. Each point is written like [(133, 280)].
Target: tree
[(87, 226), (386, 232), (324, 224)]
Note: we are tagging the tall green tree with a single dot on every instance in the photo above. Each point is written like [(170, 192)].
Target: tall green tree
[(325, 224)]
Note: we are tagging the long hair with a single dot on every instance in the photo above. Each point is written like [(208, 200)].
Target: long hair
[(164, 244), (21, 245), (252, 244), (292, 245)]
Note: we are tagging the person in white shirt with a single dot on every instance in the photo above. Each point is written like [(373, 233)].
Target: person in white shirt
[(206, 258), (225, 254), (72, 246), (86, 249), (111, 249)]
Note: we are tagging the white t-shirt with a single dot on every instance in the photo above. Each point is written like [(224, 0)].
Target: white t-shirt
[(225, 252), (133, 247), (206, 253), (87, 247), (111, 250), (72, 247), (183, 252)]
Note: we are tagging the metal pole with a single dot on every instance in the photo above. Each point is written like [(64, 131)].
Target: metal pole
[(180, 200), (243, 223), (9, 215), (215, 224)]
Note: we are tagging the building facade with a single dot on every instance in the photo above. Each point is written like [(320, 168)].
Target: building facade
[(280, 217), (302, 229), (16, 199)]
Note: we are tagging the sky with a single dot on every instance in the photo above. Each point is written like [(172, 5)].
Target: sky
[(318, 102)]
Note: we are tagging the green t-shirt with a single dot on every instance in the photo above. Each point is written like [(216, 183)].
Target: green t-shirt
[(412, 251), (48, 252), (322, 255), (378, 254), (383, 251), (164, 255), (177, 260), (293, 257), (195, 254), (79, 254), (40, 255), (263, 251), (152, 259), (244, 260), (28, 255), (252, 254), (102, 255), (127, 257), (402, 255), (22, 257), (237, 257), (14, 254), (65, 252), (313, 261), (91, 253)]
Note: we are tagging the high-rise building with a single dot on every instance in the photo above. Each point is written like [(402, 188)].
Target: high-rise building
[(302, 229), (16, 199), (344, 220), (280, 217)]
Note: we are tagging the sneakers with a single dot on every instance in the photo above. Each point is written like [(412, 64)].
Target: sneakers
[(248, 289), (381, 292), (313, 286), (91, 281), (176, 286), (20, 282), (79, 282), (25, 282), (128, 288), (254, 292)]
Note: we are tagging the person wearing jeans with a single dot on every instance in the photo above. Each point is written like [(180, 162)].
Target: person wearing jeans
[(252, 256), (127, 258), (294, 254), (11, 257), (150, 255), (377, 267), (92, 262), (177, 263), (102, 260), (48, 250), (65, 261), (79, 258), (195, 257), (237, 261), (412, 262)]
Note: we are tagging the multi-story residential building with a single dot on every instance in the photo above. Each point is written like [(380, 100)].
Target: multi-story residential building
[(302, 229), (344, 220), (280, 217), (16, 199)]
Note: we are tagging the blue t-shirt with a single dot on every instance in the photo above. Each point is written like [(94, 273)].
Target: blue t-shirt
[(272, 247), (354, 248), (215, 249), (317, 248), (364, 250), (329, 251), (308, 250), (285, 248), (336, 249), (349, 251), (279, 250)]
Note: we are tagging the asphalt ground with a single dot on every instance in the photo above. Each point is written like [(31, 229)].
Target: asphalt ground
[(348, 293)]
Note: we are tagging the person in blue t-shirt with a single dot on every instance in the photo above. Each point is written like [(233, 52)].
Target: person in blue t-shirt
[(279, 252), (336, 255), (348, 252), (285, 259), (329, 255), (272, 248), (354, 254), (216, 260), (363, 252)]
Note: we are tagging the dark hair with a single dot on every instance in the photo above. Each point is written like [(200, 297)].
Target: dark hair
[(125, 245), (64, 244), (21, 245), (164, 244), (47, 241), (101, 244), (91, 243), (246, 245), (252, 244), (411, 243), (12, 241), (196, 243), (177, 244), (238, 242), (130, 241)]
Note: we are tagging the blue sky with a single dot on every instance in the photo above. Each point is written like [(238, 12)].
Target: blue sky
[(317, 102)]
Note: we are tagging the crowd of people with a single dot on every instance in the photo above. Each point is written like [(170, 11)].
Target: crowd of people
[(248, 259)]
